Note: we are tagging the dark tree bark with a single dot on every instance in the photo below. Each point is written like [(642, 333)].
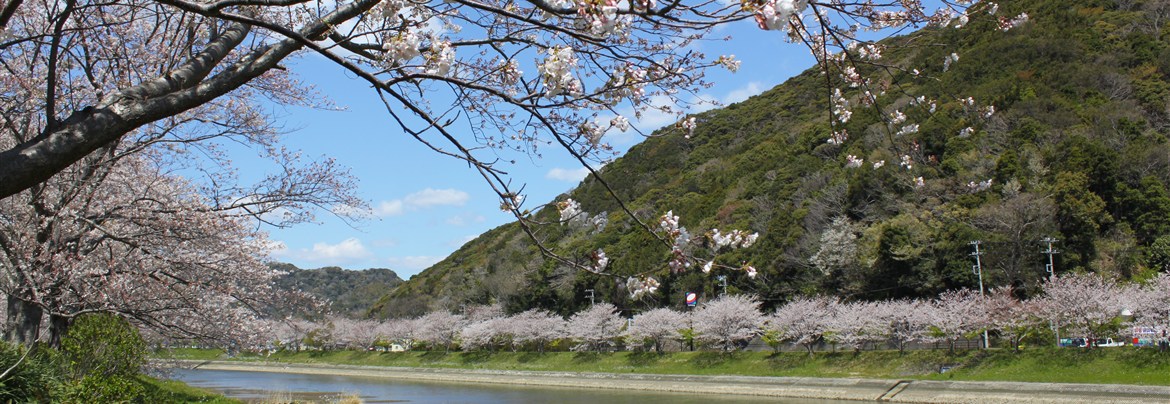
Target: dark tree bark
[(24, 321)]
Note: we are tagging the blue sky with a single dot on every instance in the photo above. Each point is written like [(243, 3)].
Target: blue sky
[(428, 205)]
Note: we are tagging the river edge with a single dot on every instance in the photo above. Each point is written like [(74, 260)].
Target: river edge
[(890, 390)]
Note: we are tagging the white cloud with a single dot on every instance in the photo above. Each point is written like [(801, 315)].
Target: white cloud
[(426, 198), (413, 263), (389, 208), (662, 112), (350, 249), (465, 219), (435, 197), (562, 174), (740, 94)]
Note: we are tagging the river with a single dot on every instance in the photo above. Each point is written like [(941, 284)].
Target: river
[(254, 386)]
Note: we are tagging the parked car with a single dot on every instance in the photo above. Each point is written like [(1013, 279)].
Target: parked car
[(1108, 343)]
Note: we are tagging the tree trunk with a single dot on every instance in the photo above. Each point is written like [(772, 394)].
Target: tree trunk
[(24, 321), (58, 327)]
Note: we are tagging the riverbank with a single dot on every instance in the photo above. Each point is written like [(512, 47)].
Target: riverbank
[(1101, 366), (892, 390)]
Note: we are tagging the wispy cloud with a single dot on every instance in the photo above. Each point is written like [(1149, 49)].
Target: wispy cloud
[(346, 251), (743, 93), (412, 264), (465, 219), (426, 198), (437, 197), (570, 175)]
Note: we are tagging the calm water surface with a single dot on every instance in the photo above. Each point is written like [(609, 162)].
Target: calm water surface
[(262, 385)]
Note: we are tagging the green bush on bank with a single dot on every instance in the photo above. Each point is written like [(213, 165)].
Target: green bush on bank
[(100, 361)]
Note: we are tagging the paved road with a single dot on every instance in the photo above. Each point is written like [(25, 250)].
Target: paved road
[(898, 391)]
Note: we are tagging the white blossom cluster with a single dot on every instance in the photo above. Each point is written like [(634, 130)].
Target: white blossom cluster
[(401, 48), (680, 240), (568, 209), (1006, 24), (919, 182), (852, 161), (600, 261), (897, 117), (838, 137), (906, 162), (879, 164), (728, 62), (907, 130), (980, 186), (689, 125), (556, 72), (641, 286), (952, 58), (733, 239), (775, 14), (628, 82), (841, 108), (441, 58)]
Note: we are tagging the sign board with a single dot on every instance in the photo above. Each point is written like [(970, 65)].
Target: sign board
[(692, 299)]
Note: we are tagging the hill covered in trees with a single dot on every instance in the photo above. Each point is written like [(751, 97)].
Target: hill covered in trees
[(1058, 128), (348, 292)]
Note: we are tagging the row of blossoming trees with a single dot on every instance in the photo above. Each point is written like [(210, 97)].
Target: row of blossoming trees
[(1079, 305)]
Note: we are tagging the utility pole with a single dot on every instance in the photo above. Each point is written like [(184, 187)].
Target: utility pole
[(978, 270), (1050, 267), (590, 292)]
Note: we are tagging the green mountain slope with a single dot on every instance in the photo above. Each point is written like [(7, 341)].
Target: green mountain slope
[(1077, 150), (348, 292)]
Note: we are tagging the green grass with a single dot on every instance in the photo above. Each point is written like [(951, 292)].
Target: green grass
[(170, 391), (1114, 366)]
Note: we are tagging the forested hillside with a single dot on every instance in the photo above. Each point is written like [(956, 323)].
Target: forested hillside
[(347, 292), (1057, 128)]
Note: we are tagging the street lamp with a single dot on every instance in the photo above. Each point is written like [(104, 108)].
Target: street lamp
[(723, 279)]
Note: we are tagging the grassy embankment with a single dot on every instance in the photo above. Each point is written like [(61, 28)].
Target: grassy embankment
[(170, 391), (1114, 366)]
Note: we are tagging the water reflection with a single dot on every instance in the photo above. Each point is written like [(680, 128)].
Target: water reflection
[(254, 386)]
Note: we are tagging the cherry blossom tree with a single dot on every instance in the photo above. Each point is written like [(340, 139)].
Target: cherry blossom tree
[(855, 324), (288, 333), (485, 333), (907, 321), (540, 327), (355, 334), (728, 320), (803, 321), (1150, 303), (1087, 303), (655, 327), (957, 314), (128, 237), (1014, 318), (438, 328), (596, 327), (396, 331)]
